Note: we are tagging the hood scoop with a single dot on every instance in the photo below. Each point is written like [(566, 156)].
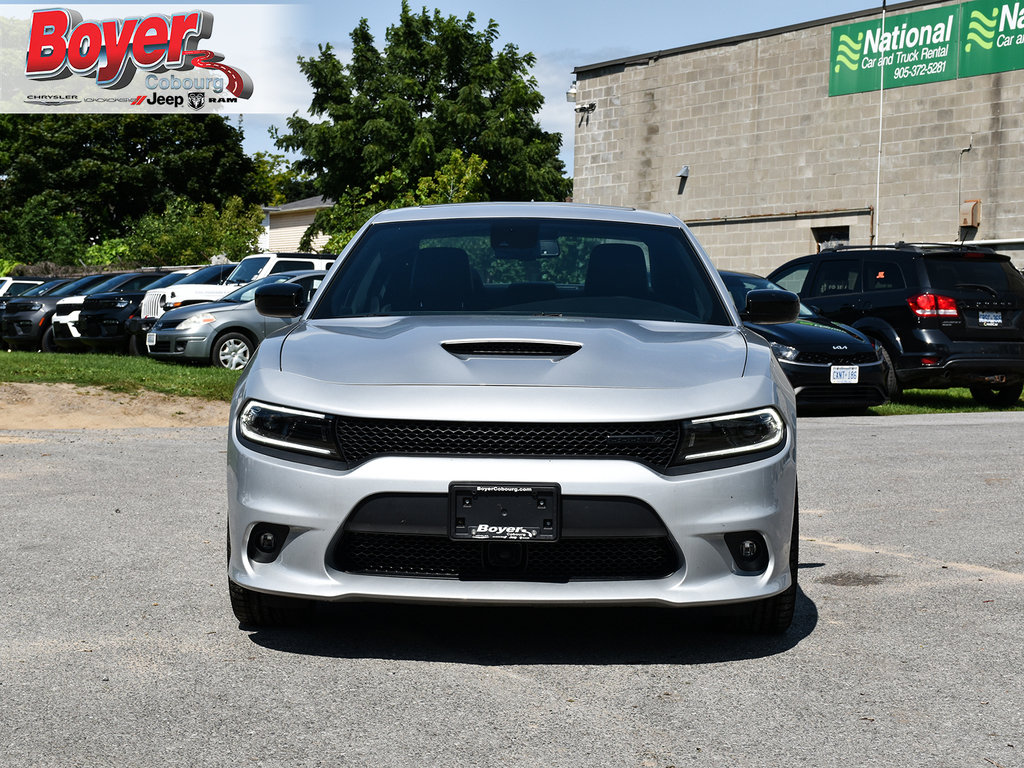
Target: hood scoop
[(510, 348)]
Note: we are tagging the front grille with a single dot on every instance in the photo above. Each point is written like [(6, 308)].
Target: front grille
[(583, 559), (151, 305), (826, 358), (100, 303), (652, 443)]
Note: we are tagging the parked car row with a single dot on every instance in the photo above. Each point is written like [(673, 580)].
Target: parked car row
[(115, 313), (942, 316)]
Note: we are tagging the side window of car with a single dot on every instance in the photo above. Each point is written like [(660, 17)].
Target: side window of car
[(290, 265), (835, 277), (883, 276), (794, 279)]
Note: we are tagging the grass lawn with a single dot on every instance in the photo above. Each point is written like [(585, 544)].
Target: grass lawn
[(130, 374), (119, 374)]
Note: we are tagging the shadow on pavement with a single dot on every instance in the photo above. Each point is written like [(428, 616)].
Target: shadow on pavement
[(518, 635)]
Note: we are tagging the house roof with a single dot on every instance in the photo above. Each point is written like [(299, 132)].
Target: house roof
[(308, 204)]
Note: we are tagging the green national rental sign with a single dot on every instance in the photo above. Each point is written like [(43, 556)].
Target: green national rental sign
[(974, 38)]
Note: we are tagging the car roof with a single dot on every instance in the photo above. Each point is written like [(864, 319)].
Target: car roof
[(527, 210), (917, 249)]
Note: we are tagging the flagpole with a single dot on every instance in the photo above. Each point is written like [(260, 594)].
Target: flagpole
[(881, 102)]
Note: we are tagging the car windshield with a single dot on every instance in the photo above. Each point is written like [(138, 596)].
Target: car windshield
[(107, 285), (206, 275), (945, 274), (740, 285), (247, 292), (171, 279), (76, 287), (525, 267), (247, 269), (44, 289)]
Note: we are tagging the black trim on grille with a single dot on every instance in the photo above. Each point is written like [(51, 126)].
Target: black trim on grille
[(652, 443), (826, 358), (586, 559), (603, 538)]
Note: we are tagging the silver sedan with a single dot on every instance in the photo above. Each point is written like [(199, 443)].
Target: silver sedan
[(516, 404), (224, 333)]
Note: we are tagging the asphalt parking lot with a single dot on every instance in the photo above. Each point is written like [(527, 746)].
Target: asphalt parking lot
[(119, 647)]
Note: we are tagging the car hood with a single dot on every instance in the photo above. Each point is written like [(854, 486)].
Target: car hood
[(811, 332), (455, 352)]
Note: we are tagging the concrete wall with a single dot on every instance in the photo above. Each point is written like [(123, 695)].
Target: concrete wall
[(772, 156)]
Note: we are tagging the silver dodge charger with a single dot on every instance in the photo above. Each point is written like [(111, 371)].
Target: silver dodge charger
[(502, 403)]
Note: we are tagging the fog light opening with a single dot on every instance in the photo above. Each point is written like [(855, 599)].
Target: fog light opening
[(749, 551), (266, 541)]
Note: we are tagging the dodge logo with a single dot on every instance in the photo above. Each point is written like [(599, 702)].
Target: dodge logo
[(196, 100)]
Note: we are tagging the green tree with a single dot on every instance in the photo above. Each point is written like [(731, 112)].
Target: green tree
[(187, 233), (279, 181), (439, 85), (459, 180), (101, 173)]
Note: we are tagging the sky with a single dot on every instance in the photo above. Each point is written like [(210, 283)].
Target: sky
[(562, 34)]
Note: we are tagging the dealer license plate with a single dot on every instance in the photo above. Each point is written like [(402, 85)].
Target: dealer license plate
[(845, 374), (150, 339), (990, 319), (504, 511)]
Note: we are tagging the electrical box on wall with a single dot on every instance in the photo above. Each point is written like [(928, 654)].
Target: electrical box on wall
[(970, 213)]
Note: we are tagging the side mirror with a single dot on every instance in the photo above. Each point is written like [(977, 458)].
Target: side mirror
[(768, 306), (281, 300)]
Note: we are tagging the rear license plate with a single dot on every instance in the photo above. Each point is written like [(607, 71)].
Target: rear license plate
[(845, 374), (990, 319), (504, 511), (150, 339)]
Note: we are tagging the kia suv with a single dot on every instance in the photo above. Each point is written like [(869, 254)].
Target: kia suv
[(944, 315)]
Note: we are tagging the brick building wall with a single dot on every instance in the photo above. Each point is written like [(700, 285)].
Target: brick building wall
[(777, 165)]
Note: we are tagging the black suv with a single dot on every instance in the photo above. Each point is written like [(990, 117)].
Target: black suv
[(944, 315)]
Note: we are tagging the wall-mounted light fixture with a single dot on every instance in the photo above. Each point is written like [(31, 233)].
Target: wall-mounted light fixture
[(684, 174), (570, 95)]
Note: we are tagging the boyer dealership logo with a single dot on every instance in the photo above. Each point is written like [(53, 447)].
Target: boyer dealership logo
[(113, 51)]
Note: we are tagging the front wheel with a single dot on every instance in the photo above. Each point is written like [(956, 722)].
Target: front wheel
[(773, 615), (997, 397), (232, 351), (48, 343), (256, 609), (892, 384)]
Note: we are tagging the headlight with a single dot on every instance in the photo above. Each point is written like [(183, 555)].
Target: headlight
[(724, 436), (782, 352), (196, 321), (288, 428), (122, 303)]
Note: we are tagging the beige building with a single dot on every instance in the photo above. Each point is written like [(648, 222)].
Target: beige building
[(741, 138), (286, 224)]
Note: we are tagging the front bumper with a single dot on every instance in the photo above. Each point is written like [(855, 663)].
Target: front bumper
[(813, 386), (176, 344), (695, 511)]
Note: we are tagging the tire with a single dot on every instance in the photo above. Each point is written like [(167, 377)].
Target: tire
[(135, 347), (232, 351), (47, 343), (997, 397), (774, 615), (256, 609), (892, 384)]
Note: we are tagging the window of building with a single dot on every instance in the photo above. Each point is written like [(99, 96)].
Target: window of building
[(830, 237)]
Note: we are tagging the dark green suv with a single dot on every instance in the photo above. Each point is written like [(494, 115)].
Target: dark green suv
[(944, 315)]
